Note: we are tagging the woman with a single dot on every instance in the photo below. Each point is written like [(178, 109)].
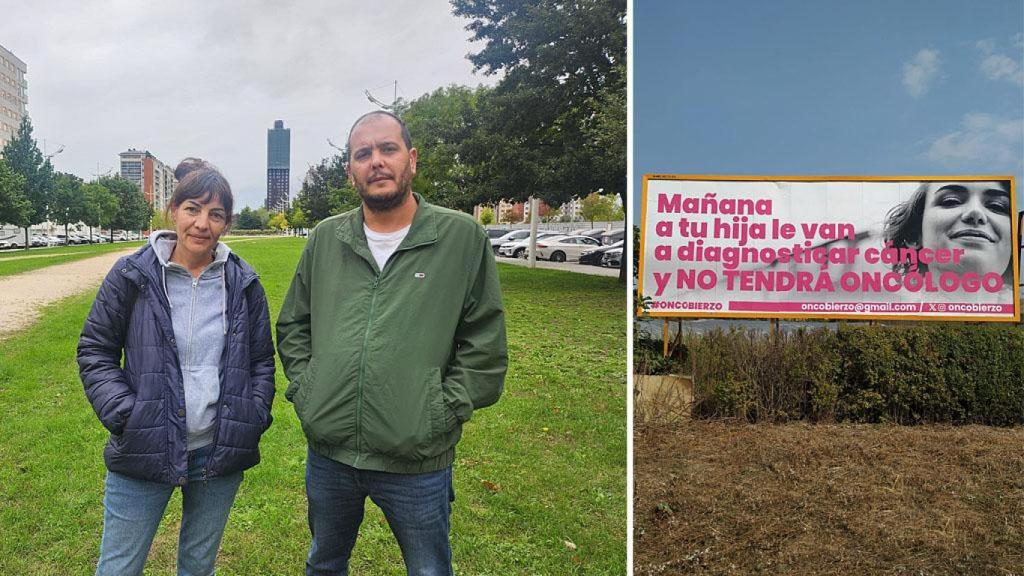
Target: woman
[(193, 396), (969, 220)]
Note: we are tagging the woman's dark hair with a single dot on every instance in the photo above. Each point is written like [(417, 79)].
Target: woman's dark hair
[(903, 228), (200, 180)]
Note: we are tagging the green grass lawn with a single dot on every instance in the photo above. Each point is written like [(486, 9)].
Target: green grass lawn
[(543, 467), (17, 261)]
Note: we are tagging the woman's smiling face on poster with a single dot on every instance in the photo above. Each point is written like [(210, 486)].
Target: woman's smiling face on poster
[(973, 217)]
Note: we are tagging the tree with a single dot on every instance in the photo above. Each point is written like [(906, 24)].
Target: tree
[(247, 220), (487, 216), (551, 115), (14, 206), (552, 215), (23, 156), (606, 130), (599, 208), (297, 218), (261, 217), (444, 124), (67, 203), (100, 206), (161, 220), (133, 212), (326, 190), (555, 124), (278, 222)]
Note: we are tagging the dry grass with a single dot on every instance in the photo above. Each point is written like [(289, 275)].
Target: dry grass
[(724, 497), (661, 398)]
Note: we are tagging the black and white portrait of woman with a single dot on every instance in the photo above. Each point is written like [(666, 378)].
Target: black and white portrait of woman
[(970, 220)]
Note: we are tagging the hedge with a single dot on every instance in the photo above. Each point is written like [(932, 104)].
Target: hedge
[(905, 374)]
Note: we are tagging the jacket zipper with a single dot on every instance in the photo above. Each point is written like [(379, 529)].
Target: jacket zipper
[(210, 471), (165, 305), (188, 363), (362, 373), (366, 339), (191, 322)]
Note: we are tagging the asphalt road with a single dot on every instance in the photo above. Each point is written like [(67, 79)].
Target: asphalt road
[(567, 266)]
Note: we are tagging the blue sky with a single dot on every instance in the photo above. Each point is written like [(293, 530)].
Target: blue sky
[(828, 87)]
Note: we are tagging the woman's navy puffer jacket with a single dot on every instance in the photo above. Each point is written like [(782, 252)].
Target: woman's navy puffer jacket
[(142, 403)]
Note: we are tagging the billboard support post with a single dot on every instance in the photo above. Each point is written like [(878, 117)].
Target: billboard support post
[(664, 339)]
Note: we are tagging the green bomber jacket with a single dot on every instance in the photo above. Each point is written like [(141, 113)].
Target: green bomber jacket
[(384, 366)]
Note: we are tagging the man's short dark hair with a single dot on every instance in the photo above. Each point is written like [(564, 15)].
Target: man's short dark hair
[(405, 131)]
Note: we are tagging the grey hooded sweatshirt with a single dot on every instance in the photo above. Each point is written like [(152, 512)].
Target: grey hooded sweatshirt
[(199, 315)]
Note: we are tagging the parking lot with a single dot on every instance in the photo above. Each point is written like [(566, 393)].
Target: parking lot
[(567, 266), (16, 241), (595, 251)]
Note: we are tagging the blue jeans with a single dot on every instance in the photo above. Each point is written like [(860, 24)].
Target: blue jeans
[(133, 509), (417, 508)]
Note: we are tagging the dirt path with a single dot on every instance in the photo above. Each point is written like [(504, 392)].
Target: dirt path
[(31, 256), (22, 295)]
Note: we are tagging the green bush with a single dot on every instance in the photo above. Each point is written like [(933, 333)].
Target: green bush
[(905, 374), (763, 376), (648, 357)]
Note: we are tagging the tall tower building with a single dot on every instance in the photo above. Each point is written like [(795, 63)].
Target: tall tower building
[(13, 95), (279, 145), (153, 177)]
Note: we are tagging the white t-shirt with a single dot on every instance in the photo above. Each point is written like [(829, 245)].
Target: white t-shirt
[(383, 245)]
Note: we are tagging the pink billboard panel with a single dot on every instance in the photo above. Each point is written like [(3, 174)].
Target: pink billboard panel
[(894, 247)]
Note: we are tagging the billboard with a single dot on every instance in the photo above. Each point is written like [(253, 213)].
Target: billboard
[(893, 247)]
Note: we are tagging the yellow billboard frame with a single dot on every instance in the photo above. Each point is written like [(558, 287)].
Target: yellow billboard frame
[(1015, 234)]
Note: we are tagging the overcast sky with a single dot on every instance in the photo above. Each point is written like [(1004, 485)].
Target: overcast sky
[(834, 87), (208, 79)]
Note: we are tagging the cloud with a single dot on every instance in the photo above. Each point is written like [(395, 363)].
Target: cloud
[(984, 142), (195, 78), (1000, 67), (987, 46), (919, 72)]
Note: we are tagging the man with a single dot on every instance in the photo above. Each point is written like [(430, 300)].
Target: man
[(391, 335)]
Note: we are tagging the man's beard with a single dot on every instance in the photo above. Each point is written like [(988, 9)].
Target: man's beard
[(389, 201)]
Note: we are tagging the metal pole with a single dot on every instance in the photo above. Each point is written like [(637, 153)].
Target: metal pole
[(664, 339), (532, 246)]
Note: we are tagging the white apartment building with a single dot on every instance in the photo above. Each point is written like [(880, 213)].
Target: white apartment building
[(13, 95), (572, 210)]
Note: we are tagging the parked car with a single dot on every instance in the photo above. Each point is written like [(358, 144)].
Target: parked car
[(518, 248), (613, 236), (612, 258), (494, 233), (564, 248), (510, 236), (593, 256), (592, 232)]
